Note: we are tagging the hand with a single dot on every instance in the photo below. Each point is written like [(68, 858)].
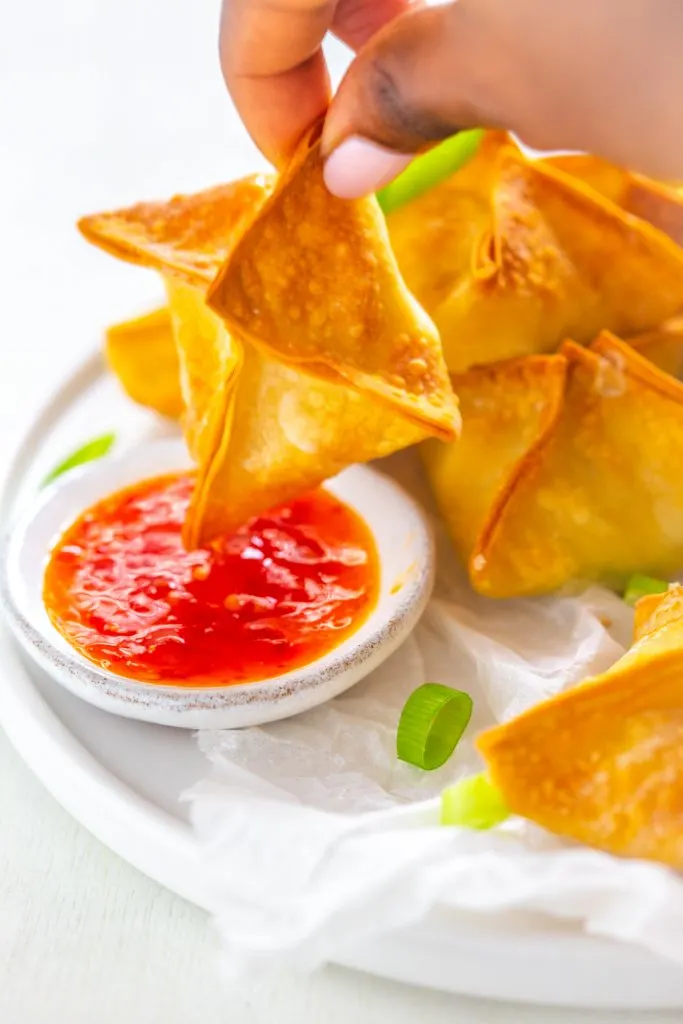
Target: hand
[(600, 75), (273, 64)]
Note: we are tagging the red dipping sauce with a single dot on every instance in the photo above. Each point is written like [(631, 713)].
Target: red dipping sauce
[(280, 592)]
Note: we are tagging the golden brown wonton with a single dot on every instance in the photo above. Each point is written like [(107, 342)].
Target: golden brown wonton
[(510, 256), (568, 468), (603, 763), (269, 412), (143, 356)]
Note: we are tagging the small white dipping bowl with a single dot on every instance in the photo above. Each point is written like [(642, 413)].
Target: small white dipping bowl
[(406, 564)]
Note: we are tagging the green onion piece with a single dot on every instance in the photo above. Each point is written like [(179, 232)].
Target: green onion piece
[(473, 803), (640, 586), (428, 169), (431, 724), (95, 449)]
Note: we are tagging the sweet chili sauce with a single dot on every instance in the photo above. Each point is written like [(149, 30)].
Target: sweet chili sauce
[(283, 590)]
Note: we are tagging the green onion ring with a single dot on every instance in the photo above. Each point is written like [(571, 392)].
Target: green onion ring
[(431, 724)]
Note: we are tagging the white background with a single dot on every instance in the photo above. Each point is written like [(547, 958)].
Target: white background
[(103, 102)]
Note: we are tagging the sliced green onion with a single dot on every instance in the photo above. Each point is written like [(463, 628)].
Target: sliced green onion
[(95, 449), (473, 803), (431, 724), (640, 586), (428, 169)]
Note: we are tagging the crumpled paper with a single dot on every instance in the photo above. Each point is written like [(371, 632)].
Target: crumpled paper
[(313, 837)]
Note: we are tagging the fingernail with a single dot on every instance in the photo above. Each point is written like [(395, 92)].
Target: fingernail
[(358, 167)]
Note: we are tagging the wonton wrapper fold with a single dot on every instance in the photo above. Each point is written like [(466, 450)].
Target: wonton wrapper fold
[(603, 763), (582, 452), (659, 203), (188, 235)]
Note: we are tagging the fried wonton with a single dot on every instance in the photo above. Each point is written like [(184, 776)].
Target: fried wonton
[(603, 763), (265, 418), (313, 283), (568, 468), (510, 256), (142, 354)]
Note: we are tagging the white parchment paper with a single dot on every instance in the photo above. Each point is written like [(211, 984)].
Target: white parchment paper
[(314, 836)]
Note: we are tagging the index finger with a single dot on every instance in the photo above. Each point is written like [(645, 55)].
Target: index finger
[(274, 68)]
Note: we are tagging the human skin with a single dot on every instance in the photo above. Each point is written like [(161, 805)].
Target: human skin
[(598, 75)]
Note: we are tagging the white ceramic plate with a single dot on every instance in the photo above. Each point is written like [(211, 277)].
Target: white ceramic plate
[(123, 779), (406, 564)]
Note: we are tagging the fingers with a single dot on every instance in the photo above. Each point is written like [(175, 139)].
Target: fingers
[(600, 75), (356, 21), (273, 65), (274, 69), (419, 80)]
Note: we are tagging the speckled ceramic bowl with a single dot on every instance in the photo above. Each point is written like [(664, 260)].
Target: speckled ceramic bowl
[(406, 560)]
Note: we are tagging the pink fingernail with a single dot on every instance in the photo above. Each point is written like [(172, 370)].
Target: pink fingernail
[(358, 167)]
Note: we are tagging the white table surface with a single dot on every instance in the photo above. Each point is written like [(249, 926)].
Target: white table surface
[(103, 103)]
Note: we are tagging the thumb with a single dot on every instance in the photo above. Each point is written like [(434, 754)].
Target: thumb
[(513, 64), (418, 81)]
